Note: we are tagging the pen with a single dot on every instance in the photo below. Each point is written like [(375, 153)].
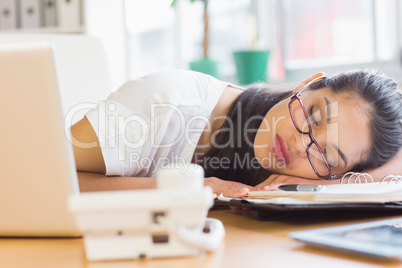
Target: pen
[(301, 187)]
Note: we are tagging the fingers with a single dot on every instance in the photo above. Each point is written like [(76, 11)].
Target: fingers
[(270, 188), (240, 192), (235, 192), (227, 188)]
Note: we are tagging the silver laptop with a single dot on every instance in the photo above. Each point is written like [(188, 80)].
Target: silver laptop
[(37, 171)]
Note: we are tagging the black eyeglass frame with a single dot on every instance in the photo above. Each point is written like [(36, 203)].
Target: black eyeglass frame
[(296, 97)]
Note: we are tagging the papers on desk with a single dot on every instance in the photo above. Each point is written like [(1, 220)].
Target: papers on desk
[(332, 194), (276, 201)]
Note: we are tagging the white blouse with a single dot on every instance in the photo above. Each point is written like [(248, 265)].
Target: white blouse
[(154, 121)]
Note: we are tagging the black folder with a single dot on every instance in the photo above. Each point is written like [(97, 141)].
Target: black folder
[(266, 212)]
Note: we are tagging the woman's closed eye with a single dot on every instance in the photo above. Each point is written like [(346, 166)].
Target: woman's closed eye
[(330, 163), (314, 116)]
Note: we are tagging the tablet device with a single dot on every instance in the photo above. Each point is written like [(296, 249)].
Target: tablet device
[(381, 239)]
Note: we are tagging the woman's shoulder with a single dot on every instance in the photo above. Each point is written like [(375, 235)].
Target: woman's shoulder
[(171, 86), (174, 77)]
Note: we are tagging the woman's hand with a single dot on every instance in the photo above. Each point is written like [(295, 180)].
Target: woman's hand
[(228, 188), (276, 180), (237, 189)]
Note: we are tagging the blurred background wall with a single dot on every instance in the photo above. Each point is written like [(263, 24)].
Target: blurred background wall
[(296, 38)]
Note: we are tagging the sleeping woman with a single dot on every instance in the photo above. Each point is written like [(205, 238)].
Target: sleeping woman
[(244, 138)]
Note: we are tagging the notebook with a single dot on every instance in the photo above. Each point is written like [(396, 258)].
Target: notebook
[(351, 194), (37, 167), (375, 192)]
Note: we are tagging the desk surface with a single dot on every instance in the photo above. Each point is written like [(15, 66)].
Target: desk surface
[(248, 243)]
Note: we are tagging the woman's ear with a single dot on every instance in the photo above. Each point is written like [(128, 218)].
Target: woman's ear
[(308, 80)]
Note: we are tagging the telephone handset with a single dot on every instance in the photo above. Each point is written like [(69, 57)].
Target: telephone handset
[(164, 222)]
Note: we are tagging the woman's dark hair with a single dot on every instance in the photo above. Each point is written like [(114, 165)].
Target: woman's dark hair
[(384, 102), (232, 155)]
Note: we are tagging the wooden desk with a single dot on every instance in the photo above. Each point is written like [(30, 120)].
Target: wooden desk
[(248, 243)]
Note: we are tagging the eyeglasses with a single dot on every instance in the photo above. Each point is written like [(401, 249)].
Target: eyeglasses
[(314, 152)]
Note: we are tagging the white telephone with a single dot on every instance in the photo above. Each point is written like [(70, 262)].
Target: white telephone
[(166, 222)]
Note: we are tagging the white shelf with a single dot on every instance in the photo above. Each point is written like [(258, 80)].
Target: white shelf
[(103, 20), (46, 30), (70, 16)]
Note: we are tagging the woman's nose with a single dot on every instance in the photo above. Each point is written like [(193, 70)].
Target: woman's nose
[(301, 143)]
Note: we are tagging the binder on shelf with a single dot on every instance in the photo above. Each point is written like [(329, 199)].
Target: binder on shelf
[(68, 14), (30, 14), (8, 14), (49, 13)]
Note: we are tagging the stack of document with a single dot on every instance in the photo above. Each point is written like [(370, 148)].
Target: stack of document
[(335, 193), (375, 193)]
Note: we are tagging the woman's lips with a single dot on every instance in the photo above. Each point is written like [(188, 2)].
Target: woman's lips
[(280, 151)]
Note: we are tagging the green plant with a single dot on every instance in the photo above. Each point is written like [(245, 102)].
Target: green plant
[(205, 41)]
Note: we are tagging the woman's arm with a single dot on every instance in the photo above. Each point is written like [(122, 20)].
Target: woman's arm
[(87, 151), (91, 166), (90, 182)]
